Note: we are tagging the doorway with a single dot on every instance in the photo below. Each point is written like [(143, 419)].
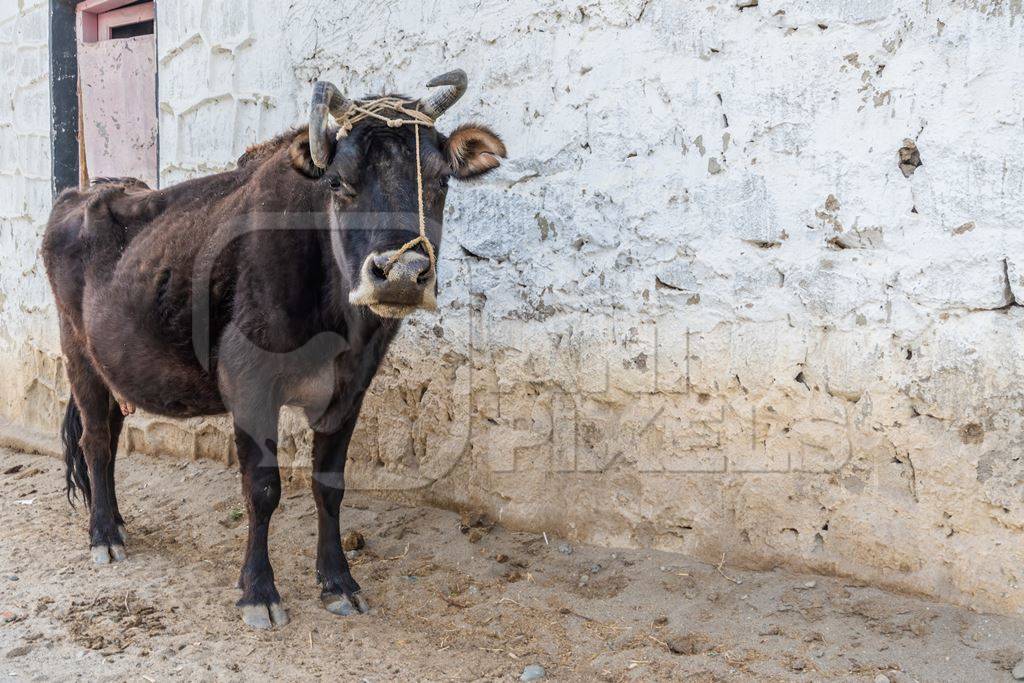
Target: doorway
[(116, 45)]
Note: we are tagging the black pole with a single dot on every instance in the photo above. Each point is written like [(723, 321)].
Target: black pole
[(156, 82), (63, 96)]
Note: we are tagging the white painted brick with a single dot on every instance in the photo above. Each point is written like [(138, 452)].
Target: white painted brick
[(8, 10), (184, 77), (12, 196), (972, 283), (33, 152), (179, 22), (32, 25), (31, 108), (9, 155), (226, 22), (802, 12), (205, 134), (33, 64)]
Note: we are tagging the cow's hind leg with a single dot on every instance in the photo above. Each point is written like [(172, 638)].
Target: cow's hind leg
[(88, 418), (115, 423), (339, 591)]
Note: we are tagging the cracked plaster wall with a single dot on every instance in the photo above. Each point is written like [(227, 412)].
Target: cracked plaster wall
[(712, 303)]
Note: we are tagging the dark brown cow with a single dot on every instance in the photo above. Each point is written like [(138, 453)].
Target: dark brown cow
[(279, 283)]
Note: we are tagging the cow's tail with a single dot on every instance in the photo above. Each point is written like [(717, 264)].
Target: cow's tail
[(76, 473)]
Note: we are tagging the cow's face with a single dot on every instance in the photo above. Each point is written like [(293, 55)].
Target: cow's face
[(370, 178)]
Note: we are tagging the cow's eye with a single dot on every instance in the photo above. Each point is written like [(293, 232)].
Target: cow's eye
[(442, 182), (341, 187)]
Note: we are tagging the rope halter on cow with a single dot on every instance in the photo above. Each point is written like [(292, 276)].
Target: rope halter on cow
[(332, 115)]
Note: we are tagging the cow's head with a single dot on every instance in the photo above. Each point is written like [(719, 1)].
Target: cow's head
[(370, 177)]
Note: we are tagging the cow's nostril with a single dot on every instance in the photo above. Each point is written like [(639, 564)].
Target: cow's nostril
[(378, 272), (424, 276)]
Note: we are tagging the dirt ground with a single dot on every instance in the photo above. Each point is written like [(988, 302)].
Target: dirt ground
[(449, 602)]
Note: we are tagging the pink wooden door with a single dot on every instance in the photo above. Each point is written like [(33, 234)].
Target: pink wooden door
[(117, 78)]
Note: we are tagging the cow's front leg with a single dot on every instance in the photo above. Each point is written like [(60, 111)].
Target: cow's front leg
[(339, 591), (261, 485)]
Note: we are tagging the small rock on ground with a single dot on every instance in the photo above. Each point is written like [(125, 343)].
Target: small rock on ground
[(533, 672), (352, 540), (1018, 671), (565, 548), (687, 644), (882, 678), (474, 520)]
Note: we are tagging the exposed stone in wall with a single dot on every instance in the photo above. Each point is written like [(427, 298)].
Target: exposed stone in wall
[(701, 307), (1015, 278)]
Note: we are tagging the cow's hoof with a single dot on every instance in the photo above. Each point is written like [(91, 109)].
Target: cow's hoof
[(105, 554), (123, 533), (264, 616), (344, 605)]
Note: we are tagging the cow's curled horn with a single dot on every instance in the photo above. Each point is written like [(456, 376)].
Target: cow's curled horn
[(439, 102), (328, 104)]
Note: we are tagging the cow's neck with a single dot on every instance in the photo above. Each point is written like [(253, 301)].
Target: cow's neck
[(363, 330)]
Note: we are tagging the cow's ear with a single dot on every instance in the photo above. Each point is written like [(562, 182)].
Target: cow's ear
[(473, 150), (302, 160)]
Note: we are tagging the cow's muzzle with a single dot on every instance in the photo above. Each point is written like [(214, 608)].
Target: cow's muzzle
[(395, 289)]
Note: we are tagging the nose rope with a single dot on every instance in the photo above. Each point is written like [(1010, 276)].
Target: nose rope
[(372, 109)]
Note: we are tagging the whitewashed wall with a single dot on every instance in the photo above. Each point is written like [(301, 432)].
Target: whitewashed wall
[(701, 307), (33, 382)]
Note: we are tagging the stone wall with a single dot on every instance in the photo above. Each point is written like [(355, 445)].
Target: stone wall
[(751, 283)]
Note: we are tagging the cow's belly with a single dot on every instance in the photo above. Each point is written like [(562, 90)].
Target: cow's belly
[(141, 364)]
